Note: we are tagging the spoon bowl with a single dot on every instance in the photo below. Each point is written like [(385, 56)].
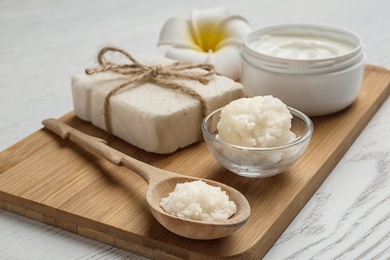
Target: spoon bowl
[(160, 184), (192, 228)]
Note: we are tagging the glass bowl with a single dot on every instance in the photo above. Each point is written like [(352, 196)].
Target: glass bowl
[(258, 162)]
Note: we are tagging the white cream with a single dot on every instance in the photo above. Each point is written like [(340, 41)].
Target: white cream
[(290, 45)]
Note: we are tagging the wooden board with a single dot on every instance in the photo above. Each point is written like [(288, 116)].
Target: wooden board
[(54, 181)]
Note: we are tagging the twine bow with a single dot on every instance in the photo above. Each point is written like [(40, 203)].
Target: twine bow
[(163, 76)]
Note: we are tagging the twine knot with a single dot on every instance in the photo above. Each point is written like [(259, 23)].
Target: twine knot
[(163, 76), (155, 71)]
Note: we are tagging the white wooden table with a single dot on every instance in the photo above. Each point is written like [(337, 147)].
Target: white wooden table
[(43, 43)]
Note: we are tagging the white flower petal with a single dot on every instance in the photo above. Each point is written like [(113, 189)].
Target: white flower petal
[(233, 27), (177, 32), (227, 61), (183, 54), (229, 41)]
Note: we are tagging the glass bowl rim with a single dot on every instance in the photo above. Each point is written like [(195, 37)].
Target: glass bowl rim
[(293, 111)]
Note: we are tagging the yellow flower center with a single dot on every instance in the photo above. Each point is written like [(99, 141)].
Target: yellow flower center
[(209, 39), (207, 36)]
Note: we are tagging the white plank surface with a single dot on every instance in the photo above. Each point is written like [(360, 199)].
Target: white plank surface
[(43, 43)]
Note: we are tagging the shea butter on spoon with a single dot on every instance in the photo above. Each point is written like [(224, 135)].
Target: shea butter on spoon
[(160, 184), (198, 200)]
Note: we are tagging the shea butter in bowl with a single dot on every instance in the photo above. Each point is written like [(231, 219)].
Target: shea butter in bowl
[(315, 68), (255, 139)]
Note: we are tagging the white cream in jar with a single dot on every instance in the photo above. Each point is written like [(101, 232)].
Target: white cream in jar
[(317, 69), (289, 45)]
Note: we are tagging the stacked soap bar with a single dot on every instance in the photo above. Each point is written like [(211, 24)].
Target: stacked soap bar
[(153, 118)]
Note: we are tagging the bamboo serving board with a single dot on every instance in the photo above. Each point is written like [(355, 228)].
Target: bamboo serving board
[(54, 181)]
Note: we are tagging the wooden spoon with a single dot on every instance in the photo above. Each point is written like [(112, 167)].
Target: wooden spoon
[(160, 184)]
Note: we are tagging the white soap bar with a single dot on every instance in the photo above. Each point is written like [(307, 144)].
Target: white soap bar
[(151, 117)]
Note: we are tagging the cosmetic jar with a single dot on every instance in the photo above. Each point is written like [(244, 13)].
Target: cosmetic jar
[(315, 68)]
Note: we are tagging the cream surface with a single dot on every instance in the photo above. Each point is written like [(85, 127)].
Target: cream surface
[(302, 47)]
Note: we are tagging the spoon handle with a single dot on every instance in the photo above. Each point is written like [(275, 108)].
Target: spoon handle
[(100, 147)]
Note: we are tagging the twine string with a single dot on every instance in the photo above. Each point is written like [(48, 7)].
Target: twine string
[(165, 76)]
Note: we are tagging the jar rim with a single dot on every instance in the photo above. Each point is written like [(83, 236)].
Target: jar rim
[(299, 65)]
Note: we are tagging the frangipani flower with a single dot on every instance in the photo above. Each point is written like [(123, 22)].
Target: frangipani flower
[(209, 36)]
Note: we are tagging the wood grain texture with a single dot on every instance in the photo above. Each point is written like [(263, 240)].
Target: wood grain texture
[(50, 180)]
